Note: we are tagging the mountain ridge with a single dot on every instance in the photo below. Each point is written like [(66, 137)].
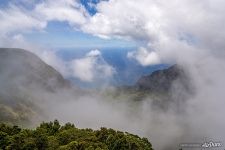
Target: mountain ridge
[(25, 79), (161, 80), (31, 67)]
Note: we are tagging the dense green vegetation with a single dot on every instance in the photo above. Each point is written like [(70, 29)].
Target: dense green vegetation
[(52, 135)]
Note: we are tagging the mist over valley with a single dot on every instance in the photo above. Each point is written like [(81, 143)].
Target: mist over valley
[(114, 74)]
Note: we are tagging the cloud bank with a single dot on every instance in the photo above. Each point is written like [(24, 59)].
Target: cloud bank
[(187, 32), (169, 29), (18, 18)]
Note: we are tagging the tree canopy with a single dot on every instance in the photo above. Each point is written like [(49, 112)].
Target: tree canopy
[(53, 136)]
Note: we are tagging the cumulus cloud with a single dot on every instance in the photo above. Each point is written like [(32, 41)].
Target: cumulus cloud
[(185, 32), (62, 10), (83, 69), (166, 27), (16, 18), (144, 57), (116, 19), (94, 53), (92, 67), (19, 17), (157, 23)]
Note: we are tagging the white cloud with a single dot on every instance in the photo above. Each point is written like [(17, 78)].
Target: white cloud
[(14, 19), (144, 57), (187, 32), (91, 68), (171, 29), (158, 23), (62, 10), (94, 53), (83, 69), (115, 19)]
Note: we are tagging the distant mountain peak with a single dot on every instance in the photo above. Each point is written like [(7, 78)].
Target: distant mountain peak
[(161, 80)]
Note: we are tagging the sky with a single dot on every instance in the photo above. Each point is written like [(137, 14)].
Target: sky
[(58, 33), (158, 32)]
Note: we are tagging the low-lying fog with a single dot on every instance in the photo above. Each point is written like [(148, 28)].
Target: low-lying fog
[(198, 117)]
